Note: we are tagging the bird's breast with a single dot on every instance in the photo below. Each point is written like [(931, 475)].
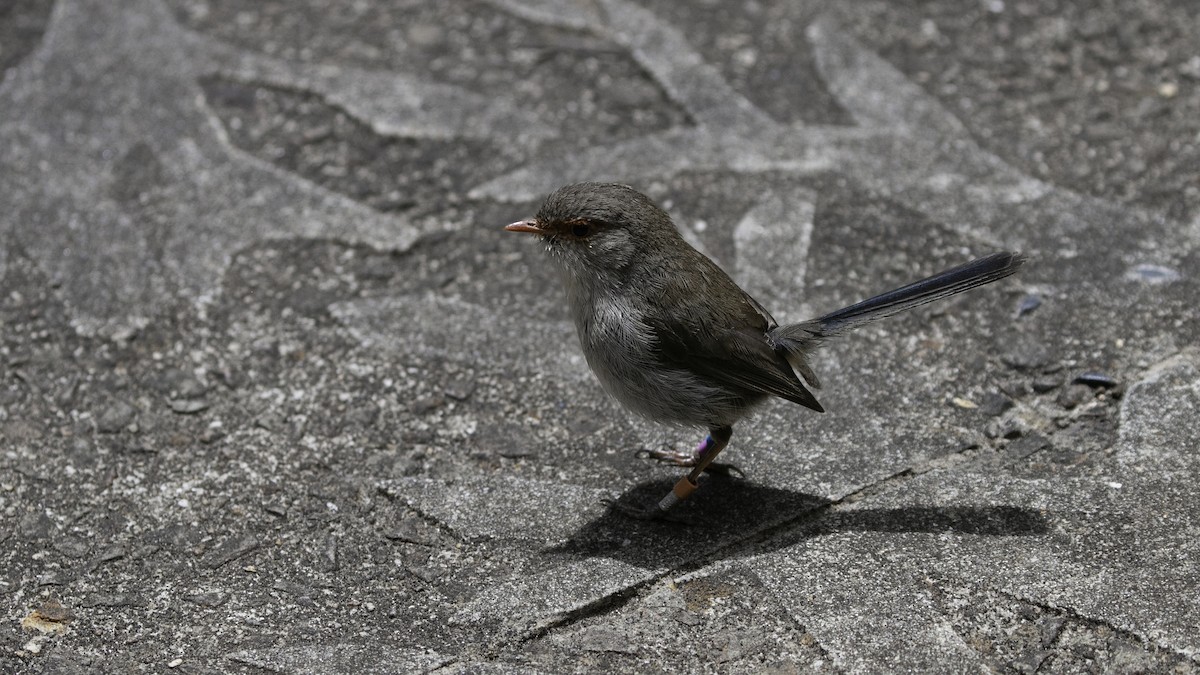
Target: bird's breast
[(621, 350), (616, 340)]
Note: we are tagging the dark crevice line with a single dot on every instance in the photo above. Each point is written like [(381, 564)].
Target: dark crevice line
[(745, 546), (425, 517), (598, 607), (617, 599), (755, 541), (1074, 615)]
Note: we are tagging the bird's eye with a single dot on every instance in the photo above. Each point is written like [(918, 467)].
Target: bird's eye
[(580, 229)]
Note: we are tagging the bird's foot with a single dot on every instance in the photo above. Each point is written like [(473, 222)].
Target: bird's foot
[(669, 455)]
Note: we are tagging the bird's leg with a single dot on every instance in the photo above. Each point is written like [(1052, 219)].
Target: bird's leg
[(669, 455), (700, 460), (705, 453), (693, 458)]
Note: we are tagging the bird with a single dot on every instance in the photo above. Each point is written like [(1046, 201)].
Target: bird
[(673, 338)]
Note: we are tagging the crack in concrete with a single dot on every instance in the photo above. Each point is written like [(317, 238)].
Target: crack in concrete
[(600, 606), (1184, 358), (753, 543), (427, 518), (1093, 622), (816, 643), (620, 597)]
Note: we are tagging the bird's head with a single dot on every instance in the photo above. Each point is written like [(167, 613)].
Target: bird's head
[(598, 230)]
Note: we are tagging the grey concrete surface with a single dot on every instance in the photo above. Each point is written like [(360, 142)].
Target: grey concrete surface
[(277, 394)]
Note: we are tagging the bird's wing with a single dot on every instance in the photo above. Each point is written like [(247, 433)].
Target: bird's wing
[(738, 358)]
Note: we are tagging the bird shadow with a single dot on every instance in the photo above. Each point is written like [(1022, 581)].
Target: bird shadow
[(751, 519)]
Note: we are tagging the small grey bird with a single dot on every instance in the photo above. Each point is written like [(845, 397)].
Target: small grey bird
[(673, 338)]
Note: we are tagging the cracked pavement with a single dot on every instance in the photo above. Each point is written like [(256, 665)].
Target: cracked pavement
[(277, 394)]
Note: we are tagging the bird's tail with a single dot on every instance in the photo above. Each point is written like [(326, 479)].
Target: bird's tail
[(796, 340)]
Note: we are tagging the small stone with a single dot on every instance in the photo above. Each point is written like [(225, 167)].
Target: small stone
[(269, 420), (423, 573), (995, 405), (1026, 354), (1047, 383), (378, 268), (230, 550), (329, 556), (1026, 446), (143, 448), (1191, 68), (188, 406), (72, 547), (1073, 396), (460, 388), (1095, 379), (1031, 662), (211, 600), (231, 377), (51, 618), (175, 664), (177, 383), (114, 552), (66, 394), (361, 416), (1168, 89), (190, 387), (427, 404), (115, 417), (1007, 429), (36, 525), (1050, 629), (317, 133), (1014, 387), (963, 403), (1152, 274), (413, 532), (211, 435), (61, 578), (1028, 304), (145, 551), (293, 588)]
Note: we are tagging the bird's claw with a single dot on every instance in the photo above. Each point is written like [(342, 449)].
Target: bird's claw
[(688, 459), (668, 456), (727, 470)]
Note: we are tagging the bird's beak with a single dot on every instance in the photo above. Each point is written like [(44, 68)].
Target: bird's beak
[(530, 226)]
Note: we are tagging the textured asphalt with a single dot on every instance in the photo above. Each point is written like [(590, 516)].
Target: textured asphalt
[(278, 394)]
